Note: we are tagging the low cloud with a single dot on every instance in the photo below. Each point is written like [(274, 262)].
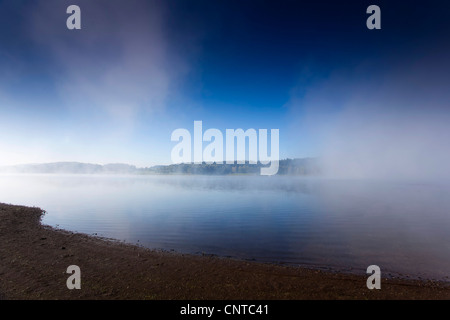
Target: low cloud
[(119, 64)]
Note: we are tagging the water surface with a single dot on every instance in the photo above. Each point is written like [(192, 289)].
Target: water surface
[(403, 227)]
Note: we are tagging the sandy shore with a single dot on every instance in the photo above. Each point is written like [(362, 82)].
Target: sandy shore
[(34, 259)]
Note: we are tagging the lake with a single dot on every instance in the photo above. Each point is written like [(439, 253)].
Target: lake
[(346, 225)]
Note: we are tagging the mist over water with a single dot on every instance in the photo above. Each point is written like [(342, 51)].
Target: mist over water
[(380, 121), (401, 226), (389, 146)]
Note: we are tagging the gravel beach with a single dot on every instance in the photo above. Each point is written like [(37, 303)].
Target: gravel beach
[(34, 259)]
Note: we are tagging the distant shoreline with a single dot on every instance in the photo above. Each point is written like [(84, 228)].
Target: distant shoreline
[(35, 258), (303, 167)]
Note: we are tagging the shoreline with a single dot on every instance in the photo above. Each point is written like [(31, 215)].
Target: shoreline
[(34, 259)]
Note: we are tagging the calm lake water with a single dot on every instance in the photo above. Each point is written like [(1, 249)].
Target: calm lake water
[(403, 227)]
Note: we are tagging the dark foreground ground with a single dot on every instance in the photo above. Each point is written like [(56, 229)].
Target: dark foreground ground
[(34, 259)]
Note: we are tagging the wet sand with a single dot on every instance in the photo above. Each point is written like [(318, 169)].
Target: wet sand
[(34, 259)]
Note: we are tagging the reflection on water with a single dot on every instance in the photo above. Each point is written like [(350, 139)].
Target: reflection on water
[(403, 227)]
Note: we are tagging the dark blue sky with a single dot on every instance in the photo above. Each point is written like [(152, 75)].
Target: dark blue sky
[(137, 70)]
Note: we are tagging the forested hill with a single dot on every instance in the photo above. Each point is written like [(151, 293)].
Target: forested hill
[(304, 166)]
